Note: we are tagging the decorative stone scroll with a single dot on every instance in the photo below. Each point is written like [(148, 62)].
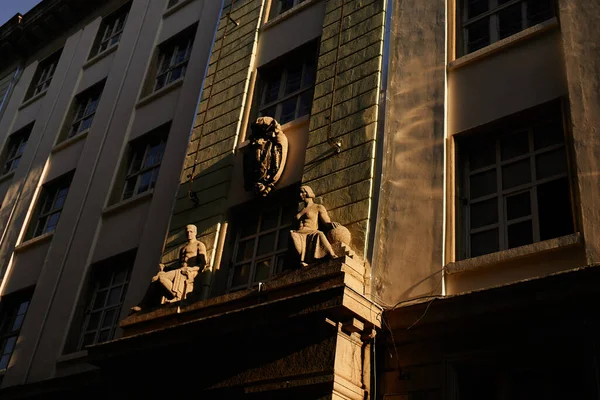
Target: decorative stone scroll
[(265, 155), (174, 284), (317, 236)]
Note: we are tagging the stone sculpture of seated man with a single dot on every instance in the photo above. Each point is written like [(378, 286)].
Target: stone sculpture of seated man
[(175, 284), (310, 241)]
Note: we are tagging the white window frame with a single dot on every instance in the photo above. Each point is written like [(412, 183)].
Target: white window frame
[(54, 196), (168, 62), (134, 175), (274, 256), (494, 8), (113, 286), (45, 77), (307, 83), (86, 106), (501, 195), (12, 320), (15, 148), (113, 30)]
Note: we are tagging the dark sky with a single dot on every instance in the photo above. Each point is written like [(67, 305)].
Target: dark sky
[(8, 8)]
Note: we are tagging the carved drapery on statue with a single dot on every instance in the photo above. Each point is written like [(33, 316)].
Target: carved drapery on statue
[(317, 237), (174, 284), (265, 155)]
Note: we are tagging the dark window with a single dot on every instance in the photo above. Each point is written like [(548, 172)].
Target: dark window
[(487, 21), (111, 30), (14, 309), (143, 164), (516, 186), (43, 75), (281, 6), (52, 200), (108, 287), (15, 147), (84, 109), (261, 236), (173, 58), (286, 89)]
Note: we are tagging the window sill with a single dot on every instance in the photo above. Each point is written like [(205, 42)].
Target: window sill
[(7, 176), (33, 99), (100, 56), (176, 7), (122, 205), (504, 43), (34, 242), (68, 142), (292, 11), (487, 260), (70, 357), (159, 93)]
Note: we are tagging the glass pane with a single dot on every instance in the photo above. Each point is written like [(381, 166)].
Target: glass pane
[(554, 208), (514, 145), (510, 20), (288, 110), (548, 134), (539, 11), (18, 322), (520, 234), (484, 213), (120, 276), (109, 318), (129, 187), (154, 177), (92, 105), (482, 184), (516, 174), (100, 300), (285, 5), (23, 308), (52, 222), (284, 235), (263, 270), (104, 280), (60, 199), (89, 339), (250, 224), (144, 182), (272, 89), (14, 164), (518, 206), (551, 163), (136, 160), (245, 250), (9, 345), (266, 243), (484, 242), (478, 34), (482, 154), (153, 156), (93, 320), (240, 275), (160, 81), (176, 73), (104, 336), (86, 123), (476, 7), (114, 296), (293, 79), (305, 103), (270, 219), (4, 361), (269, 112)]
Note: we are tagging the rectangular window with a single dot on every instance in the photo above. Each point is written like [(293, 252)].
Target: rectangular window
[(6, 84), (15, 147), (173, 58), (286, 86), (109, 282), (487, 21), (44, 74), (14, 309), (516, 187), (281, 6), (111, 30), (51, 203), (143, 164), (261, 240), (84, 109)]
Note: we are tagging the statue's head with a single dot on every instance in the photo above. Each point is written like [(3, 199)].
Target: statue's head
[(306, 193), (191, 231), (265, 127)]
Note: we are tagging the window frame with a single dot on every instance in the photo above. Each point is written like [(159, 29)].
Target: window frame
[(518, 124), (44, 74), (112, 27), (170, 50), (14, 151), (279, 9), (494, 8), (84, 108), (50, 194), (144, 144), (11, 311)]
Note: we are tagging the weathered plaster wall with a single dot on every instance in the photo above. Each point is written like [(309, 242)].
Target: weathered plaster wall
[(407, 259)]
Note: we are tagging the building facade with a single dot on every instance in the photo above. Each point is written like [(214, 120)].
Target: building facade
[(454, 140)]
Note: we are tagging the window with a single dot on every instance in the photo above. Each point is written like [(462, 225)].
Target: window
[(84, 109), (14, 310), (109, 282), (286, 89), (516, 186), (173, 57), (6, 84), (111, 30), (261, 241), (15, 148), (487, 21), (281, 6), (172, 3), (143, 164), (52, 201), (43, 75)]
